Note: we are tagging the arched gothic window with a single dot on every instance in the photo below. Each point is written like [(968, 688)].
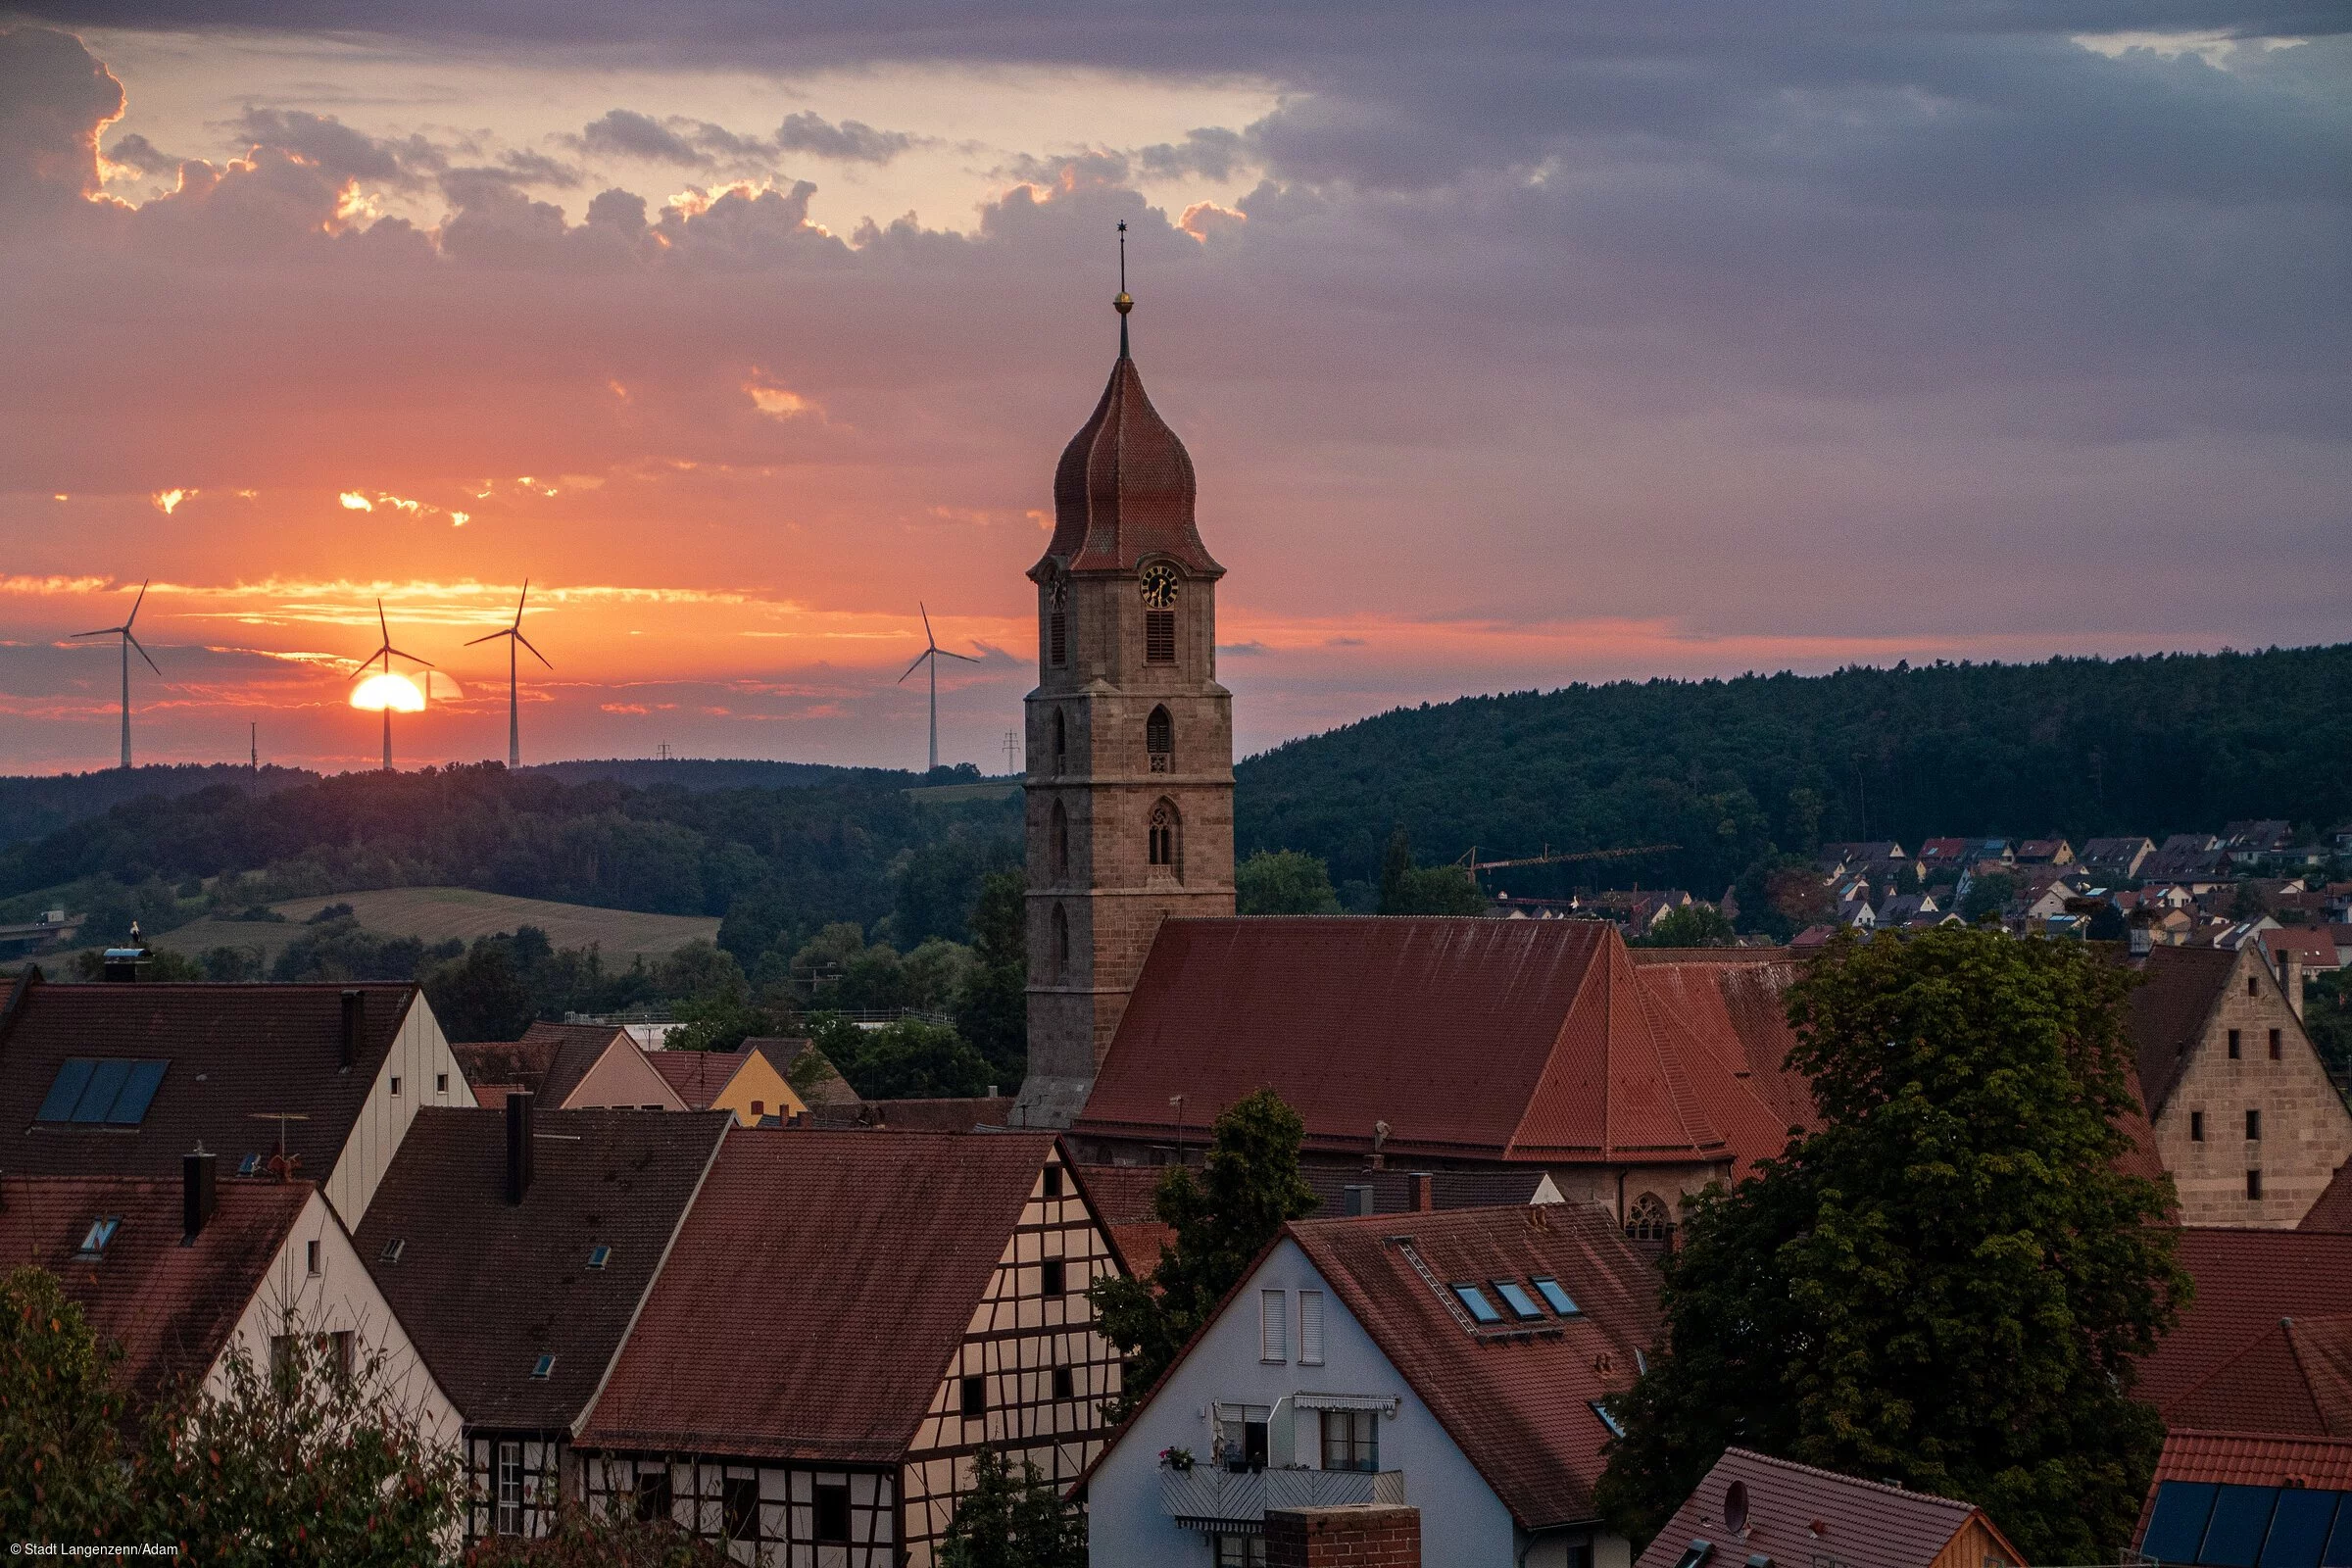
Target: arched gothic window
[(1159, 740), (1648, 1220), (1062, 744), (1166, 828), (1061, 944), (1060, 847)]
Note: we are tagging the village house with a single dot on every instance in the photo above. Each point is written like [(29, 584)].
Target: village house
[(1756, 1510), (2118, 858), (908, 1299), (1457, 1361), (314, 1082), (569, 1067), (752, 1080), (188, 1274), (2045, 852), (2244, 1117), (519, 1245), (1633, 1077)]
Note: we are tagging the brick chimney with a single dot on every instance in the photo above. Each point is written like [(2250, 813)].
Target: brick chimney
[(1420, 1192), (197, 1195), (1356, 1535), (519, 1147)]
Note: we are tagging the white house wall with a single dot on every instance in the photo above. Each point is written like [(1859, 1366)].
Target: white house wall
[(341, 1296), (1463, 1524), (429, 1074)]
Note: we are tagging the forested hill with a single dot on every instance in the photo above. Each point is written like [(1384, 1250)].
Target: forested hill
[(1734, 770)]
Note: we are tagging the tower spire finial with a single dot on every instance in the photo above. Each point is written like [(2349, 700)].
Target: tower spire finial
[(1125, 302)]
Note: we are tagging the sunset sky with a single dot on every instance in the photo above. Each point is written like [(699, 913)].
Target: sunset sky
[(1516, 342)]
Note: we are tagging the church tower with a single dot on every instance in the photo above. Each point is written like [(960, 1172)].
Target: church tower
[(1130, 786)]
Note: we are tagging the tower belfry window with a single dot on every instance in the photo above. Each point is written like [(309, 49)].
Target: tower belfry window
[(1061, 742), (1057, 639), (1061, 944), (1160, 636), (1061, 843), (1164, 829), (1159, 740)]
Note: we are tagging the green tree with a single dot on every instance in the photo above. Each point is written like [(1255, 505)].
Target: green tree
[(1247, 1189), (306, 1460), (480, 996), (1396, 864), (1700, 925), (1009, 1521), (1950, 1282), (911, 1059), (1284, 882), (1434, 890), (992, 1008), (1987, 895), (59, 1419)]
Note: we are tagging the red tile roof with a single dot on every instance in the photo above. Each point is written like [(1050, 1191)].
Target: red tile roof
[(2334, 1211), (940, 1115), (1124, 488), (171, 1308), (234, 1050), (550, 1059), (484, 1287), (1483, 1039), (827, 1085), (2294, 1376), (1797, 1514), (2236, 1458), (1733, 1002), (849, 1265), (2247, 1280), (2179, 989), (1518, 1407), (698, 1077)]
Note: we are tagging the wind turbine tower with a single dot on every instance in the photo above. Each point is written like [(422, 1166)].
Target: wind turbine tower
[(385, 652), (129, 643), (934, 653), (514, 635)]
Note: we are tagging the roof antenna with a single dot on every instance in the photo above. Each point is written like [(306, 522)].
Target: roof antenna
[(1126, 301)]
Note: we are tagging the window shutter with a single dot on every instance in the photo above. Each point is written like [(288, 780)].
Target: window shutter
[(1270, 1337), (1310, 1328)]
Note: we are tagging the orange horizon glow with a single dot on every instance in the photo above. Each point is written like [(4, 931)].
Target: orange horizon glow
[(393, 691)]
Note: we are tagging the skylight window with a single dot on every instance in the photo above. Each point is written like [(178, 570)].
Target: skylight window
[(1475, 1301), (598, 1255), (102, 1091), (1616, 1427), (1514, 1296), (102, 1231), (1554, 1295), (392, 1249), (544, 1366)]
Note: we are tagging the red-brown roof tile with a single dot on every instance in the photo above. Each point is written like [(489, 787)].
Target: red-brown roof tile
[(698, 1077), (1124, 488), (1518, 1407), (2247, 1280), (171, 1308), (2177, 993), (484, 1288), (852, 1263), (550, 1059), (236, 1051), (1798, 1514), (1497, 1039), (940, 1115), (2334, 1211), (2294, 1377), (2241, 1460)]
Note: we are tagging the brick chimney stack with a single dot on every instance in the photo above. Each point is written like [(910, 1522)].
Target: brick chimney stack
[(1420, 1192), (1356, 1535)]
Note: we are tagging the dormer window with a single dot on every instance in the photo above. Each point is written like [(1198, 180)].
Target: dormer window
[(102, 1231)]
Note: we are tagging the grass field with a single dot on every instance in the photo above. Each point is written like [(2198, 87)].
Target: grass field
[(435, 914)]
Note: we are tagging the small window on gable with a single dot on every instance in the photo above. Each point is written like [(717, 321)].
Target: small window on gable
[(1555, 1294), (545, 1366), (832, 1515), (2253, 1126), (2253, 989), (392, 1249), (2275, 1045), (102, 1231), (1273, 1341), (972, 1397), (396, 1086), (2254, 1185), (598, 1255), (1310, 1328), (1051, 1278), (310, 1259), (1053, 1181), (2235, 1050), (2196, 1126), (1474, 1301), (440, 1083), (1514, 1296), (1065, 1386)]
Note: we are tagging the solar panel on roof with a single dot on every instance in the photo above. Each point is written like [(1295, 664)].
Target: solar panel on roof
[(2339, 1551), (138, 1092), (2241, 1517), (107, 1075), (65, 1092), (2299, 1529)]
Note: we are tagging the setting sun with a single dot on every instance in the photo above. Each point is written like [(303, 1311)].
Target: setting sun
[(395, 692)]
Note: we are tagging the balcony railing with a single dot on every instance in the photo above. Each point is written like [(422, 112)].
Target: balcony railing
[(1210, 1497)]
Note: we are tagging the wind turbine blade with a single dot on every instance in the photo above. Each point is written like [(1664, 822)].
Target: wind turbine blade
[(917, 665), (966, 657), (383, 624), (135, 606), (520, 598), (926, 615), (411, 657), (491, 637), (134, 642), (535, 653), (102, 632), (370, 660)]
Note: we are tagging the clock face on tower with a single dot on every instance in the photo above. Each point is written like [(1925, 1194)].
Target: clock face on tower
[(1058, 590), (1159, 585)]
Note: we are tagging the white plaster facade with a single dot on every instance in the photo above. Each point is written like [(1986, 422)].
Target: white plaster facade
[(1463, 1523), (418, 1071)]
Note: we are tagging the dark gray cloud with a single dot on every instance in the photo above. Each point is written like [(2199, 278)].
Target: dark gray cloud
[(626, 134), (137, 152), (332, 145), (1212, 153), (850, 141)]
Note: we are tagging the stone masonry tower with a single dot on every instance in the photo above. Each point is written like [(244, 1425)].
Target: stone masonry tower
[(1130, 787)]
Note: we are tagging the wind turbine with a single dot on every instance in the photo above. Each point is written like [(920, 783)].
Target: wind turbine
[(385, 652), (934, 653), (513, 634), (129, 643)]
